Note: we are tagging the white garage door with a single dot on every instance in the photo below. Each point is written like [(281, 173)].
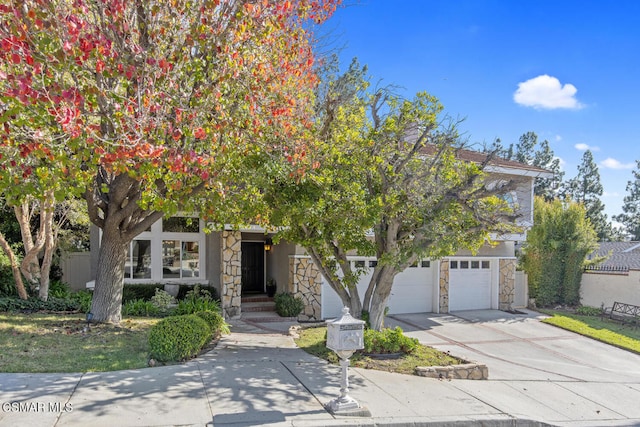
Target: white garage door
[(412, 290), (469, 284), (411, 293)]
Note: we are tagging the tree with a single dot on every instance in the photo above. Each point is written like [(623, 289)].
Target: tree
[(587, 189), (630, 217), (147, 107), (525, 152), (389, 184), (555, 251)]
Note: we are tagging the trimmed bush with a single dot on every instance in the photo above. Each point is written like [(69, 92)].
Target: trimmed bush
[(59, 289), (34, 304), (162, 299), (140, 308), (388, 341), (585, 310), (215, 321), (287, 305), (177, 338)]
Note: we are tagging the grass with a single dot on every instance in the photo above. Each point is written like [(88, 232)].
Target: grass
[(602, 329), (312, 340), (60, 343)]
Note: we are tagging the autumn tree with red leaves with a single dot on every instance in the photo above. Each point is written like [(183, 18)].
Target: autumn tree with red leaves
[(147, 107)]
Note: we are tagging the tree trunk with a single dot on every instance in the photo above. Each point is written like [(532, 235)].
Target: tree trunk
[(15, 268), (45, 268), (380, 297), (106, 306)]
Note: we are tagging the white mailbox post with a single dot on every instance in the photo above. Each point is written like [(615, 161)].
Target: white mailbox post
[(344, 336)]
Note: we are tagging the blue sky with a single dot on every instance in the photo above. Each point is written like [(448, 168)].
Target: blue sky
[(566, 70)]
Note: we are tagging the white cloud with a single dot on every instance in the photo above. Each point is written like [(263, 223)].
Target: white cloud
[(558, 138), (610, 163), (585, 147), (561, 162), (546, 92)]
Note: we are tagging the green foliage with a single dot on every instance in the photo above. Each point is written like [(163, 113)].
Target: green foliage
[(59, 289), (197, 299), (144, 292), (178, 337), (287, 305), (185, 290), (140, 307), (388, 341), (585, 310), (162, 299), (84, 298), (555, 251), (12, 304), (7, 285), (630, 217), (215, 321)]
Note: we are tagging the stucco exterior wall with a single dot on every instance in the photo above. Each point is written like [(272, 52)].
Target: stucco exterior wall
[(597, 289)]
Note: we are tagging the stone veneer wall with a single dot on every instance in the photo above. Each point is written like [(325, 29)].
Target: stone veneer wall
[(507, 283), (305, 282), (231, 274), (444, 286)]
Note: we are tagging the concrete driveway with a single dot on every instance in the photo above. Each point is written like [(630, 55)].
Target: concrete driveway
[(536, 370)]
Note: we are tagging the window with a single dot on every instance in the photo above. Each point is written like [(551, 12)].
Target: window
[(360, 264), (426, 264), (486, 264), (475, 264), (138, 263), (180, 259), (454, 264), (464, 264), (373, 264), (171, 249)]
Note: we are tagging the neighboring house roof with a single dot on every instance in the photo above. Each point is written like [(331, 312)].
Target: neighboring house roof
[(497, 164), (619, 254)]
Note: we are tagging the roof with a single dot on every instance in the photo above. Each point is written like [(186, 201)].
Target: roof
[(620, 254), (497, 164)]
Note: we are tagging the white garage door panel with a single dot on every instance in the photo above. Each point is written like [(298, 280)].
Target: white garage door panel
[(411, 292), (469, 289)]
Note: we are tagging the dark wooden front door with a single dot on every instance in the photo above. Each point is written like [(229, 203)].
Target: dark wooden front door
[(252, 267)]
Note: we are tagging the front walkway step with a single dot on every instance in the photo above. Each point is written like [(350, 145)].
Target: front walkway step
[(264, 316), (258, 306)]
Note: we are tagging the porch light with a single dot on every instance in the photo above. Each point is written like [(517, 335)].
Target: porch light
[(268, 243)]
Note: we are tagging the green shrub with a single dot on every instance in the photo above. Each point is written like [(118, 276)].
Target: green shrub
[(34, 304), (588, 311), (59, 289), (162, 299), (84, 299), (287, 305), (7, 285), (196, 300), (215, 321), (178, 337), (143, 292), (388, 341), (184, 290), (140, 308)]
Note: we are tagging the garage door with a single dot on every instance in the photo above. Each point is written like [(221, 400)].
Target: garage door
[(411, 292), (469, 284)]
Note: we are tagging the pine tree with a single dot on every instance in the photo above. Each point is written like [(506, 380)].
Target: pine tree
[(630, 217), (587, 189), (545, 158)]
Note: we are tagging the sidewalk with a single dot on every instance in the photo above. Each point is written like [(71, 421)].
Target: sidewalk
[(253, 377)]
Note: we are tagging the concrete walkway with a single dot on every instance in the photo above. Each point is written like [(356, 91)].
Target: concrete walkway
[(257, 376)]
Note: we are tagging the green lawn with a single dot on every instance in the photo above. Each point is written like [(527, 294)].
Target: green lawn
[(601, 329), (312, 340), (60, 343)]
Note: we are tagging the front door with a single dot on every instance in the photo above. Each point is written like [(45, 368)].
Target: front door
[(252, 267)]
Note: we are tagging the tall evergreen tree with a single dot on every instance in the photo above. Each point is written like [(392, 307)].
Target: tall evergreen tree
[(587, 189), (545, 158), (630, 217)]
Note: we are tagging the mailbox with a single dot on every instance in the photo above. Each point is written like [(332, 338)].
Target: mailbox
[(345, 334)]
